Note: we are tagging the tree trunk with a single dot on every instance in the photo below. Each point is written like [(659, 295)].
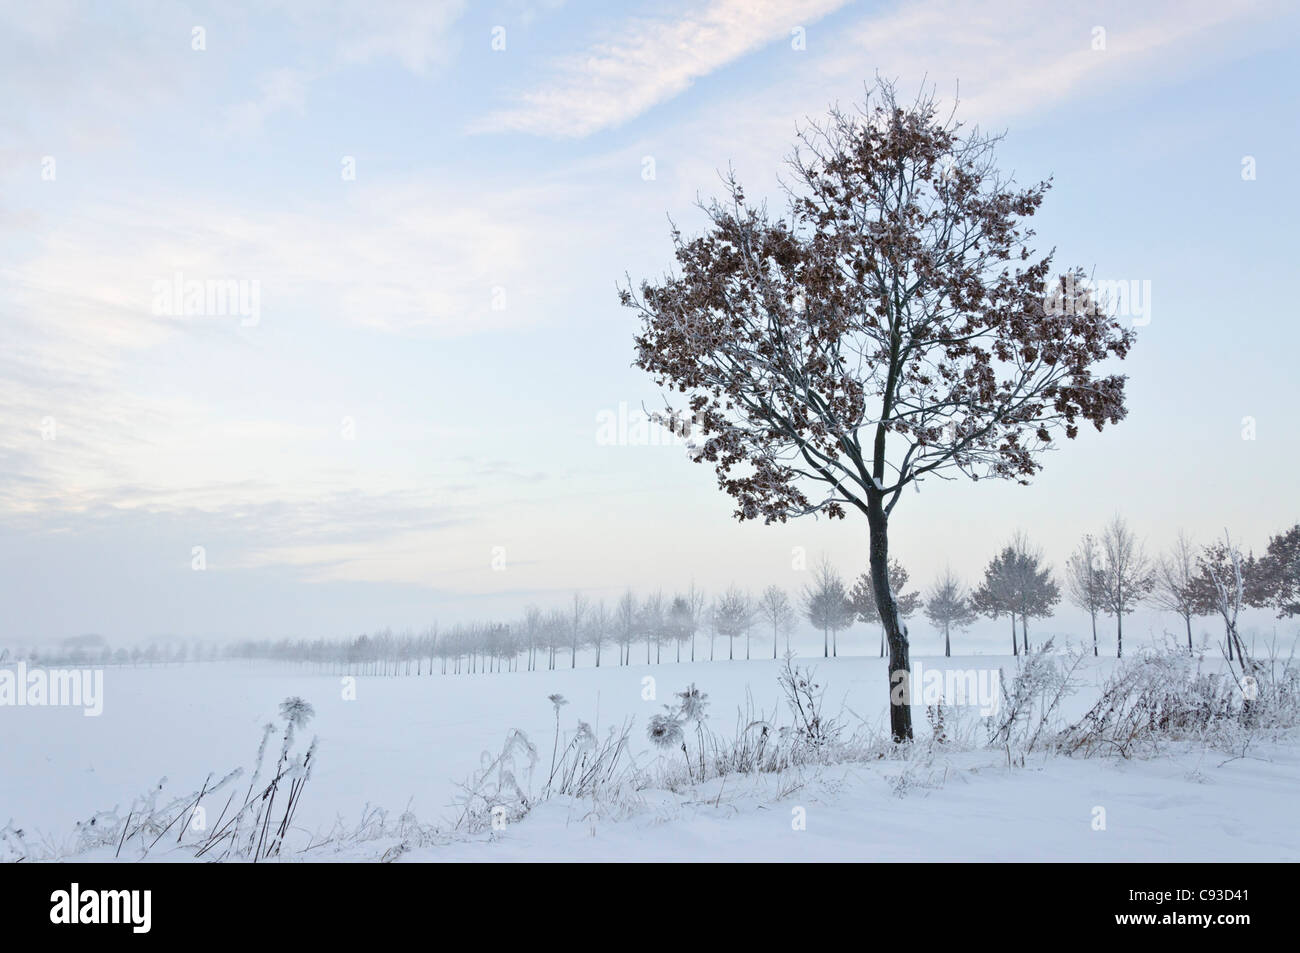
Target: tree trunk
[(1015, 647), (1024, 631), (1188, 620), (947, 645), (900, 668)]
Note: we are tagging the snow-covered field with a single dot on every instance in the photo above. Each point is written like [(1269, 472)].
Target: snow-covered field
[(407, 741)]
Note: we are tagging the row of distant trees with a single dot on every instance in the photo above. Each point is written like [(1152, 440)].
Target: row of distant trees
[(1109, 574)]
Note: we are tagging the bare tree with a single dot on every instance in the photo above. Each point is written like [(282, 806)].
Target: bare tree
[(949, 607), (732, 615), (696, 601), (627, 616), (893, 325), (598, 628), (788, 626), (827, 604), (1174, 586), (577, 619), (683, 620), (775, 607), (555, 635), (1085, 582), (532, 636), (1126, 575), (652, 623), (711, 618)]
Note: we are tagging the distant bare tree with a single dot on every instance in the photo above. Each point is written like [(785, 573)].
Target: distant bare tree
[(775, 607), (1085, 582), (1175, 583), (711, 620), (652, 622), (532, 636), (827, 605), (948, 607), (598, 628), (577, 621), (555, 635), (683, 620), (1126, 574), (627, 616), (696, 601), (733, 614)]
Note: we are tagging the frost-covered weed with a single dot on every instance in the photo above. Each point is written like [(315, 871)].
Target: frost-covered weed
[(255, 830), (496, 786), (1147, 701)]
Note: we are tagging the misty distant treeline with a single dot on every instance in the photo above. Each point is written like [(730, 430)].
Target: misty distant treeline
[(1108, 576)]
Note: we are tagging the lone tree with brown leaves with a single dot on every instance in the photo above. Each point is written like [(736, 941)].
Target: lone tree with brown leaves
[(892, 325)]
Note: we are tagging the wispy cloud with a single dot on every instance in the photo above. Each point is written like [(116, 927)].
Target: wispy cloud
[(648, 61), (1015, 57), (395, 257), (1006, 59)]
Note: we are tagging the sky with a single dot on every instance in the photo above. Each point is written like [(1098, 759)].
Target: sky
[(401, 413)]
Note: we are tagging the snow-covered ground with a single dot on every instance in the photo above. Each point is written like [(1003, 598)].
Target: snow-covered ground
[(407, 741)]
